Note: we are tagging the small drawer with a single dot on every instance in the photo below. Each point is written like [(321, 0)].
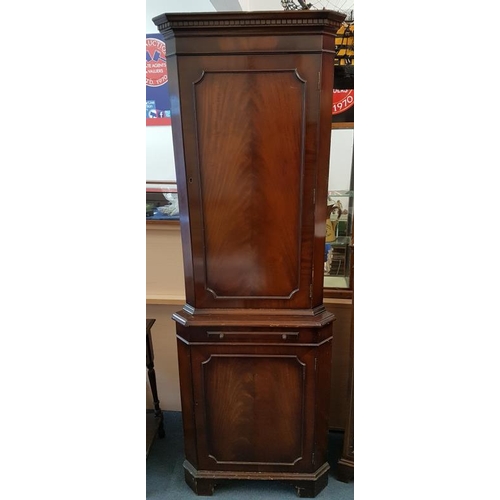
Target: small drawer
[(277, 336), (253, 335)]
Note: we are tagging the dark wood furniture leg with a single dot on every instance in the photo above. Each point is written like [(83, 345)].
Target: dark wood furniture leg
[(201, 486), (345, 465), (311, 488), (152, 376)]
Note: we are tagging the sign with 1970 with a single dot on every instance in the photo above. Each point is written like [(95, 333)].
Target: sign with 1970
[(343, 105)]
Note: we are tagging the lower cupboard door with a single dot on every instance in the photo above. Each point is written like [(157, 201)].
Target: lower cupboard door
[(254, 410)]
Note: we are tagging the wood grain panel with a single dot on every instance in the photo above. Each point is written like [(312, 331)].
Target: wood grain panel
[(252, 224), (341, 359), (252, 401)]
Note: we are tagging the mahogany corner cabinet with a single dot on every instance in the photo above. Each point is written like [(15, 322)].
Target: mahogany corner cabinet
[(251, 100)]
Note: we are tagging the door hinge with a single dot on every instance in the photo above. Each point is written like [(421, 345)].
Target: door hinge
[(314, 196), (319, 80), (310, 291), (315, 364), (314, 458)]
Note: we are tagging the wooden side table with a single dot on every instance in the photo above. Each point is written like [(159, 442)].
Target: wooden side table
[(154, 421)]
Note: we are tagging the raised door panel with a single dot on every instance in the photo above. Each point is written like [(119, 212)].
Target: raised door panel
[(252, 410), (252, 224)]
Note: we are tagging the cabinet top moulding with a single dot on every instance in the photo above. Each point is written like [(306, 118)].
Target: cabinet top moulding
[(250, 28), (281, 20)]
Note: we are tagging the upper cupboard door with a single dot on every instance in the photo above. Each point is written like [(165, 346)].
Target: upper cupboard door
[(251, 151)]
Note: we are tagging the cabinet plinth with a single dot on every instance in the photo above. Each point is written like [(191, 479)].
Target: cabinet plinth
[(251, 97)]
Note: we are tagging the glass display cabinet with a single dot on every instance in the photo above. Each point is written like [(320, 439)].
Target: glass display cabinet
[(161, 200), (339, 240)]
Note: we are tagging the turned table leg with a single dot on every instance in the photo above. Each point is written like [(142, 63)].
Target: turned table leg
[(152, 376)]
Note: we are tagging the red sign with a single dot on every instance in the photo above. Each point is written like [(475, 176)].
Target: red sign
[(342, 100), (157, 96), (156, 62)]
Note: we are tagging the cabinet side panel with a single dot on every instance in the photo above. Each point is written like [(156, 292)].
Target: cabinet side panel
[(186, 385), (251, 170), (322, 406), (180, 172), (341, 359), (323, 151)]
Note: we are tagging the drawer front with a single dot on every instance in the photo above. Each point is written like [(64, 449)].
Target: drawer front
[(256, 336)]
